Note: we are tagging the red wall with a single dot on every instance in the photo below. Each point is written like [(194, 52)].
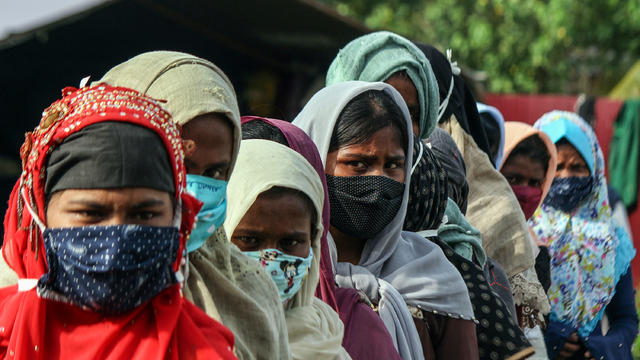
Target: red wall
[(528, 108)]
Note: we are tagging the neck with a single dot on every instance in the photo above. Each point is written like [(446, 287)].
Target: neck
[(349, 248)]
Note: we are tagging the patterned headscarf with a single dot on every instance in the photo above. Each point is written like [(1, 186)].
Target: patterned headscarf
[(167, 325), (589, 252), (428, 192)]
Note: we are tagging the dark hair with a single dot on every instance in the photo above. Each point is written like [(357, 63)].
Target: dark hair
[(535, 149), (257, 129), (277, 191), (363, 116), (492, 130)]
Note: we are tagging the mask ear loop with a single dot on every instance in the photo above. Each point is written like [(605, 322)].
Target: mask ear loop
[(455, 70), (413, 168)]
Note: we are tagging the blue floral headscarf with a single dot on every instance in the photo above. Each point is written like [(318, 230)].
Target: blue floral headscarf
[(589, 251)]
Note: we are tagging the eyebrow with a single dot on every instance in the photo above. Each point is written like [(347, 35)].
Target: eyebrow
[(257, 233), (96, 205)]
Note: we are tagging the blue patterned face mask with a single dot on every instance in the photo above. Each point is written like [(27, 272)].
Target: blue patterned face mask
[(109, 269), (566, 193), (213, 193), (287, 271)]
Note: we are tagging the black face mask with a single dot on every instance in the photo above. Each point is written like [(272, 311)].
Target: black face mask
[(361, 206)]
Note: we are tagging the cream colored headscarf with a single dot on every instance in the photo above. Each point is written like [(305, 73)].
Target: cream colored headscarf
[(315, 330), (226, 284)]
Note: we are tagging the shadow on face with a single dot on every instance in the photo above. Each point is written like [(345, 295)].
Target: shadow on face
[(570, 162), (403, 84), (208, 142), (281, 219), (84, 207), (522, 170)]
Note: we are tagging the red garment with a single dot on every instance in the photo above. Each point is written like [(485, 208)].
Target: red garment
[(31, 327)]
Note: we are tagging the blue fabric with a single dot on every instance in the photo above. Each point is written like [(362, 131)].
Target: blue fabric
[(213, 194), (109, 269), (564, 128), (623, 327), (287, 271), (566, 193)]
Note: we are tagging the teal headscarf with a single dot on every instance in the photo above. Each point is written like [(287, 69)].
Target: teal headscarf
[(458, 233), (377, 56)]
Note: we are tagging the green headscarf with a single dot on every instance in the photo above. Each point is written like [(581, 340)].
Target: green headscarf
[(458, 233), (377, 56)]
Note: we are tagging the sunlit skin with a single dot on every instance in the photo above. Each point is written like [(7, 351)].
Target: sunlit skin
[(83, 207), (570, 162), (280, 221), (381, 155), (521, 170), (409, 93), (208, 143)]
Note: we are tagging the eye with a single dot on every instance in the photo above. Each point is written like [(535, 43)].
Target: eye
[(89, 215), (512, 179), (145, 215), (358, 165), (246, 243), (214, 172), (395, 165), (288, 244)]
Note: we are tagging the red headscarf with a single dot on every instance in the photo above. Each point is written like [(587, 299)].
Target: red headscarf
[(31, 327)]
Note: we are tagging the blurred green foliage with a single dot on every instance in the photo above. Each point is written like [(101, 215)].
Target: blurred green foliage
[(531, 46)]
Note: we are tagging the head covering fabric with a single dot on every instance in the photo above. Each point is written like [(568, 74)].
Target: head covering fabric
[(428, 194), (375, 342), (397, 268), (564, 128), (461, 236), (377, 56), (302, 144), (589, 252), (446, 150), (315, 329), (166, 326), (461, 104), (497, 117), (106, 155), (517, 132), (191, 86)]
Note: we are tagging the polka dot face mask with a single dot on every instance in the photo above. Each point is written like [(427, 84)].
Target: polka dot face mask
[(108, 269)]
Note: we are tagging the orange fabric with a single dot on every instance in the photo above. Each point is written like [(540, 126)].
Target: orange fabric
[(31, 327)]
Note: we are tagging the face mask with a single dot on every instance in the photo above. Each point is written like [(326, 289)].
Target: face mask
[(567, 193), (109, 269), (213, 193), (528, 197), (361, 206), (287, 271)]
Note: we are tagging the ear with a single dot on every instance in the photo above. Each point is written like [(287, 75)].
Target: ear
[(189, 147)]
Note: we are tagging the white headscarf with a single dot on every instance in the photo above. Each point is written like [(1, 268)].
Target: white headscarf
[(396, 268), (315, 330)]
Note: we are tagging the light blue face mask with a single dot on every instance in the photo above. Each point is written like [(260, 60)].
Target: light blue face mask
[(213, 193), (287, 271)]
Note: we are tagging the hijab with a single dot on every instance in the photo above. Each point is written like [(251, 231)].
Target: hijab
[(589, 252), (315, 330), (377, 56), (496, 116), (428, 193), (396, 269), (517, 132), (222, 281), (298, 141), (446, 150), (167, 326), (461, 103)]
